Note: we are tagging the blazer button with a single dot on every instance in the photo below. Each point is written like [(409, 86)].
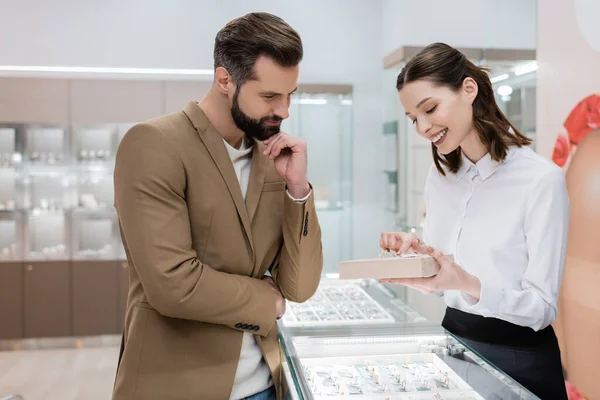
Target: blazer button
[(245, 326), (256, 328), (239, 326)]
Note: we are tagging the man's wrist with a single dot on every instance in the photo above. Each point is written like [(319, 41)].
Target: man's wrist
[(299, 191)]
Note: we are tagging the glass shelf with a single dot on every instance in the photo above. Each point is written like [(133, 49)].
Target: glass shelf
[(95, 144), (10, 156), (47, 236), (61, 172), (324, 120), (94, 235), (9, 195), (95, 189), (49, 189), (10, 236), (46, 145)]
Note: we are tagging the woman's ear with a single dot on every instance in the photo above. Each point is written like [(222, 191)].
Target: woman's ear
[(470, 89)]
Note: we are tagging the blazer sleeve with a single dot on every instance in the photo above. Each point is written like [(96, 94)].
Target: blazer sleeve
[(299, 270), (150, 185)]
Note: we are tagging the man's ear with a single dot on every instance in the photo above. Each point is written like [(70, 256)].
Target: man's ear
[(223, 80)]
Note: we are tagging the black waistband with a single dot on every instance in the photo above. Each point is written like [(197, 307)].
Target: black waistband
[(493, 330)]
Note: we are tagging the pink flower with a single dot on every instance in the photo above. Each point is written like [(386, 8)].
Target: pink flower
[(562, 150), (584, 118), (573, 393)]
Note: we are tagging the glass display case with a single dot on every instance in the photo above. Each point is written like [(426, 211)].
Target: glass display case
[(9, 195), (95, 189), (56, 201), (94, 235), (95, 144), (359, 339), (352, 304), (10, 153), (426, 363), (11, 226), (325, 121), (48, 189), (47, 236), (46, 145)]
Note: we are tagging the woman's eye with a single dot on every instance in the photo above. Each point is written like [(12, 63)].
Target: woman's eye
[(414, 121), (431, 110)]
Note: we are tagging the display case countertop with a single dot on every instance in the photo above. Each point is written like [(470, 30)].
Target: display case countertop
[(360, 340)]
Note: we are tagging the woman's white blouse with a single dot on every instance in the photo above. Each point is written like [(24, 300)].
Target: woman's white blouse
[(506, 223)]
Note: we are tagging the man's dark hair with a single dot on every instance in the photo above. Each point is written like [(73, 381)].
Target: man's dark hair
[(243, 40)]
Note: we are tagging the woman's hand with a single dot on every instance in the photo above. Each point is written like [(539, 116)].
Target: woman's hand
[(401, 242), (450, 277)]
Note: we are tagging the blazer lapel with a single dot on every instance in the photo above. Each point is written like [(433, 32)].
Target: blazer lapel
[(214, 143), (257, 178)]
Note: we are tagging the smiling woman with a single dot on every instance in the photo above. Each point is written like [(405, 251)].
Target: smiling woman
[(499, 208), (451, 101)]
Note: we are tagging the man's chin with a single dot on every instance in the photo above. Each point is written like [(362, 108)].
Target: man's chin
[(265, 135)]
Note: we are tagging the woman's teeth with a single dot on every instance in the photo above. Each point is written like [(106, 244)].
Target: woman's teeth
[(439, 136)]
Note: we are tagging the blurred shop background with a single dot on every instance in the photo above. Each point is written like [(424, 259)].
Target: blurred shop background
[(75, 75)]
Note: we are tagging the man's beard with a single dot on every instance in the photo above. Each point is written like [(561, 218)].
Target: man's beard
[(254, 129)]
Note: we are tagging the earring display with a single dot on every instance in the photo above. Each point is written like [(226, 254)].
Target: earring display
[(46, 145), (336, 303), (94, 144), (410, 376), (93, 236), (95, 190)]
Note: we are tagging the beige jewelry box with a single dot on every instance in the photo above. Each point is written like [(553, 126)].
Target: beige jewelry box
[(407, 266)]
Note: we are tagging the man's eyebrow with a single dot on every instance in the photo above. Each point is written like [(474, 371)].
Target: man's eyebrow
[(271, 93)]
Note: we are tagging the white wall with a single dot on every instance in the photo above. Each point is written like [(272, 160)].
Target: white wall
[(342, 40), (461, 23), (344, 43)]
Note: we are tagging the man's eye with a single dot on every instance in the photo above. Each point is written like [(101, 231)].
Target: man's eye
[(414, 121)]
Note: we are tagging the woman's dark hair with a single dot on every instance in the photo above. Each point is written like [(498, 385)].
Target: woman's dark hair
[(445, 66)]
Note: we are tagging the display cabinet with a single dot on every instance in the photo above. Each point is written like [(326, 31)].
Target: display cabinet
[(11, 275), (58, 222), (46, 145), (95, 291), (324, 120), (46, 236), (49, 189), (10, 151), (353, 305), (94, 235), (94, 144), (414, 364), (47, 299), (10, 197), (359, 339), (11, 298), (11, 246), (95, 189)]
